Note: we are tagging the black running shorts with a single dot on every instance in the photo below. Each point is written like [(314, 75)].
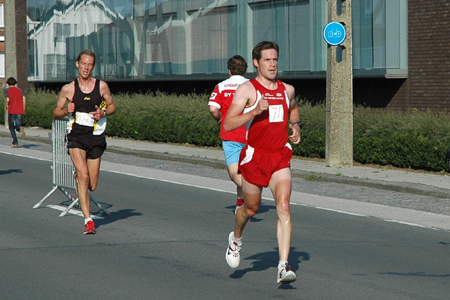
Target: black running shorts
[(94, 145)]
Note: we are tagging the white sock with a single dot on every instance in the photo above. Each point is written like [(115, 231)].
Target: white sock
[(238, 241), (282, 263), (87, 220)]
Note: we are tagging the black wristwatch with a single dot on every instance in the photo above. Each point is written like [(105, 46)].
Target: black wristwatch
[(105, 113), (299, 124)]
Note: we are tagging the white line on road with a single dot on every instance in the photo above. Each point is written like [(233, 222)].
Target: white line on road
[(387, 213), (72, 211)]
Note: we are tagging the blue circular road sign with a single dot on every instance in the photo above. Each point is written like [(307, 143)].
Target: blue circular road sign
[(334, 33)]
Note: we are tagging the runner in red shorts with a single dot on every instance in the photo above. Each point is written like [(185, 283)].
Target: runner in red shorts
[(267, 106)]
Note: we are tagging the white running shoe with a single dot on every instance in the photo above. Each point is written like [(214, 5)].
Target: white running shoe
[(285, 274), (233, 255)]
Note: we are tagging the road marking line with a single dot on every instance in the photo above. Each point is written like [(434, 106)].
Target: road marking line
[(426, 223), (26, 156)]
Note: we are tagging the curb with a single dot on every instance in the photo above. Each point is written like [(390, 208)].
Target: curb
[(418, 189)]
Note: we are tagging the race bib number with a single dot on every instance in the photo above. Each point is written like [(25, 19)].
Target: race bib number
[(276, 113), (84, 119)]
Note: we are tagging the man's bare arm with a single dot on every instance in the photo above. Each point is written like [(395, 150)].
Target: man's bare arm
[(66, 94), (215, 113), (294, 117), (245, 95), (106, 94)]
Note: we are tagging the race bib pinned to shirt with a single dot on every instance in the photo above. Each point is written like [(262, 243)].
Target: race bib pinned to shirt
[(276, 113), (84, 119)]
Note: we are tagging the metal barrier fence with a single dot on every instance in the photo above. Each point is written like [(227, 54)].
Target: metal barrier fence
[(63, 168)]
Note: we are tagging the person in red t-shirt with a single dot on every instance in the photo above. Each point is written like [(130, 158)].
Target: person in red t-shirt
[(267, 107), (15, 105), (233, 141)]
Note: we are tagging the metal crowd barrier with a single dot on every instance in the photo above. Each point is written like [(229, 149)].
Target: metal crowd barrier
[(63, 168)]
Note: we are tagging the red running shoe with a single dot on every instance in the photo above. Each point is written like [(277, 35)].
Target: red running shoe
[(89, 228)]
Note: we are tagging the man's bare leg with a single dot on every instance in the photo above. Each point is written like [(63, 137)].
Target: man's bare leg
[(281, 185), (233, 173), (79, 160), (252, 196), (94, 170), (252, 201), (237, 179)]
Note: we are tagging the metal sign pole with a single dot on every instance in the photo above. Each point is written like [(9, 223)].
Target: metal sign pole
[(339, 103)]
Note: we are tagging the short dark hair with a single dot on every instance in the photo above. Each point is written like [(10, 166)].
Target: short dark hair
[(86, 52), (264, 45), (237, 65), (11, 81)]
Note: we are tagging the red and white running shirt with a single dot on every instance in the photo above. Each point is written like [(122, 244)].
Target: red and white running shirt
[(221, 97), (269, 131)]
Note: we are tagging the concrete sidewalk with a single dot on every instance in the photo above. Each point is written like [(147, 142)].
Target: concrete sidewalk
[(398, 180)]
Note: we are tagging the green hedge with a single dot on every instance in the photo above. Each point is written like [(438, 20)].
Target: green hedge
[(404, 151), (413, 139)]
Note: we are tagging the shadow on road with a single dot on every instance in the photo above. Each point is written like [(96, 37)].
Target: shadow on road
[(117, 215), (30, 146), (265, 260), (10, 171)]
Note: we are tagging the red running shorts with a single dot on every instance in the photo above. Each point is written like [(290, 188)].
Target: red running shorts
[(257, 166)]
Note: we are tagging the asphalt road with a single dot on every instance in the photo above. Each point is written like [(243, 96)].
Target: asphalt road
[(167, 233)]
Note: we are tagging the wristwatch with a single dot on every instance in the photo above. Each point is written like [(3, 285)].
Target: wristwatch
[(105, 113)]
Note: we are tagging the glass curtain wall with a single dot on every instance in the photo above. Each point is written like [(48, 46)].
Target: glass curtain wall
[(380, 37), (180, 39)]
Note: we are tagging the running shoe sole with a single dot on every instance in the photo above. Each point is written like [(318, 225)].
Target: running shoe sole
[(288, 278)]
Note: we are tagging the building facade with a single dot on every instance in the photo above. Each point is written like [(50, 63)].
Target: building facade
[(398, 59), (428, 82)]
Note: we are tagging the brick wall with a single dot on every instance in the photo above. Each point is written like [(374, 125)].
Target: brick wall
[(428, 83)]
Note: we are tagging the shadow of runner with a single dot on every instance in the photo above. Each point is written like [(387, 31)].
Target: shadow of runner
[(10, 171), (117, 215), (266, 260), (30, 146)]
